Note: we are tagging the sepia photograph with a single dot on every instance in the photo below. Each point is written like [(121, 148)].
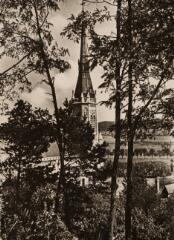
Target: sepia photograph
[(86, 119)]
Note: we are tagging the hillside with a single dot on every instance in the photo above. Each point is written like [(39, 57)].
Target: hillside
[(105, 125)]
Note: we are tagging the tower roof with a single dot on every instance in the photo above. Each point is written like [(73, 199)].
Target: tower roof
[(84, 83)]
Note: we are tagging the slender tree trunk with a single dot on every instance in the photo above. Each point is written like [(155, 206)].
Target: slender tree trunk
[(128, 207), (114, 185), (18, 182), (66, 210), (61, 182), (130, 135)]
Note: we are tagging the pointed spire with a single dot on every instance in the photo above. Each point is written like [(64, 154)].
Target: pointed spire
[(84, 83), (84, 47)]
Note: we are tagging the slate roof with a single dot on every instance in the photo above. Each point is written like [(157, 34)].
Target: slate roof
[(84, 83), (170, 188)]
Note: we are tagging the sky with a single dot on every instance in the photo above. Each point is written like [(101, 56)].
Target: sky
[(65, 83)]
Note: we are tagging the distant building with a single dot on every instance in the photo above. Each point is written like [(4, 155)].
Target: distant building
[(164, 185), (167, 190)]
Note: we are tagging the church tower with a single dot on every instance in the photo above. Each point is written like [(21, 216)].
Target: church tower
[(84, 97)]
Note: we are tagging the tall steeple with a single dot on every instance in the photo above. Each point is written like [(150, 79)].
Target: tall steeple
[(84, 97), (84, 84)]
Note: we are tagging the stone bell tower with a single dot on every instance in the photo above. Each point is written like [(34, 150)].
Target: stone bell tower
[(84, 96)]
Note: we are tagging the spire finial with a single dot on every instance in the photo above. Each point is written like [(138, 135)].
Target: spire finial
[(83, 14), (83, 6)]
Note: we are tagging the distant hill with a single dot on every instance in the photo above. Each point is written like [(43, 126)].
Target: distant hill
[(105, 125)]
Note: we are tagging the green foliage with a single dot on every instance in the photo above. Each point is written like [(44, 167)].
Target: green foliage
[(141, 170), (26, 135), (35, 222), (29, 203), (25, 34), (145, 227), (151, 169), (163, 214), (88, 212), (89, 20), (80, 154), (78, 134), (144, 196), (150, 213)]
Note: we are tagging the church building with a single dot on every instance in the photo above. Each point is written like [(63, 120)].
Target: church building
[(84, 96)]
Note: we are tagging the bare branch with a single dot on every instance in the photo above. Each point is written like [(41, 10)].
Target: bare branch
[(149, 101), (45, 18), (25, 36), (104, 1), (15, 65)]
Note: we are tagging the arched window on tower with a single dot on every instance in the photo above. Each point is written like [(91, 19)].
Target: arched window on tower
[(93, 119), (85, 113)]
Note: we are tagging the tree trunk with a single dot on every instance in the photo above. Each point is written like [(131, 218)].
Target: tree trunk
[(61, 181), (128, 207), (114, 185), (66, 210), (18, 183), (130, 135)]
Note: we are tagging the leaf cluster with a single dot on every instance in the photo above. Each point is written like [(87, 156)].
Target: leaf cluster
[(27, 134)]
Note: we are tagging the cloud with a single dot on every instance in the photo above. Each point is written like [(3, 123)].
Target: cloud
[(3, 119), (68, 79), (38, 97), (65, 82)]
